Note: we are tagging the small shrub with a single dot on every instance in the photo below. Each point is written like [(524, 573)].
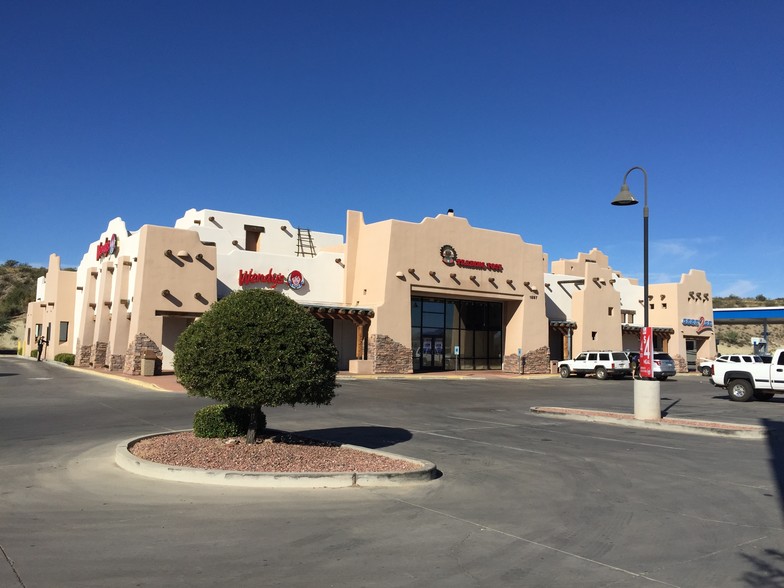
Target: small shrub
[(221, 421), (65, 358), (732, 338), (34, 354)]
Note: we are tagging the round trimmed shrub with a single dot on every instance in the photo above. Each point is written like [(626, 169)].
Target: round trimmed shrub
[(67, 358), (257, 348), (221, 421)]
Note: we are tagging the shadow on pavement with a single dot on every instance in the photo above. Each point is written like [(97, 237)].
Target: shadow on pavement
[(370, 437), (769, 564)]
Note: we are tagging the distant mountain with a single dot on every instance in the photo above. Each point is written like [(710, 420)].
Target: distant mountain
[(733, 301)]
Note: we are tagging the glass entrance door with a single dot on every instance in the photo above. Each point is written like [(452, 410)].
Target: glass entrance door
[(451, 335)]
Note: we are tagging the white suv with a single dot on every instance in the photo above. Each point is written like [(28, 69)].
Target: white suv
[(600, 363)]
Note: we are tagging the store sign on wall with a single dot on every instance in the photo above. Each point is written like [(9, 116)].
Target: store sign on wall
[(450, 258), (108, 247), (272, 279), (700, 323)]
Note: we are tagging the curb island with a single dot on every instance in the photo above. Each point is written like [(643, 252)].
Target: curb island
[(689, 426), (425, 472)]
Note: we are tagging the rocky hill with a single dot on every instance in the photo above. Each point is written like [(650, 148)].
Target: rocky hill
[(17, 288)]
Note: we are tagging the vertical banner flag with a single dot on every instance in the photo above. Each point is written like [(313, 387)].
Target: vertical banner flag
[(646, 352)]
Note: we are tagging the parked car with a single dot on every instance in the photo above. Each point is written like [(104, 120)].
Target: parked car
[(602, 364), (663, 364)]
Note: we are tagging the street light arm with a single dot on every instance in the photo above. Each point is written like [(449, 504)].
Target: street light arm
[(645, 174)]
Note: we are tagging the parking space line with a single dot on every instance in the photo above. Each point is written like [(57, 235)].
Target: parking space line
[(535, 543)]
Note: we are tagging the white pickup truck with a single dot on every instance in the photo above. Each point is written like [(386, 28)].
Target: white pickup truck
[(745, 381)]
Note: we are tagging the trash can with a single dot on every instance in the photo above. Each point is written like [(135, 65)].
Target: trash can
[(149, 358)]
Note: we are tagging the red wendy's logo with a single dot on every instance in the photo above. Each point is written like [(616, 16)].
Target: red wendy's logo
[(108, 247)]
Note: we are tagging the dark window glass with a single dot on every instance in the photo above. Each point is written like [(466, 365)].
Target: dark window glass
[(416, 313), (495, 316), (433, 306), (431, 319), (451, 315), (480, 344)]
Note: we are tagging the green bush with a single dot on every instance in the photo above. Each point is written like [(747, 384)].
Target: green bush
[(257, 348), (65, 358), (34, 354), (732, 338), (221, 421)]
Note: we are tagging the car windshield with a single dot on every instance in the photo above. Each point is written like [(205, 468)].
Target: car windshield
[(619, 356), (663, 356)]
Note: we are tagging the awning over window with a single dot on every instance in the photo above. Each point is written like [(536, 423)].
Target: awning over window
[(347, 313)]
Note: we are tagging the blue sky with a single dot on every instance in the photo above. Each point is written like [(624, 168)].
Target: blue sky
[(522, 116)]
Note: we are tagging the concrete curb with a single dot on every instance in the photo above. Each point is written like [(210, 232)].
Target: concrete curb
[(126, 460), (688, 426)]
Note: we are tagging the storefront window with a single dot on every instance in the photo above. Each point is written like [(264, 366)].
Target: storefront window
[(438, 326)]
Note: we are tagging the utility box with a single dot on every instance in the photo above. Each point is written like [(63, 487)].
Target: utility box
[(149, 358)]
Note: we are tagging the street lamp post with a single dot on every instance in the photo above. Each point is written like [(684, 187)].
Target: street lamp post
[(647, 397)]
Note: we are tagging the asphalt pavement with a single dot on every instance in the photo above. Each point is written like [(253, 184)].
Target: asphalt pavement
[(521, 500)]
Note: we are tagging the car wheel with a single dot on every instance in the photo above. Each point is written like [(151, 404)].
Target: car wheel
[(564, 371), (705, 371), (601, 373), (740, 390), (763, 395)]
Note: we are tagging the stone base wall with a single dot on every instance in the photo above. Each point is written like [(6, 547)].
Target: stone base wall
[(681, 364), (136, 351), (389, 356), (116, 363), (533, 362), (537, 361), (513, 364), (98, 354), (84, 356)]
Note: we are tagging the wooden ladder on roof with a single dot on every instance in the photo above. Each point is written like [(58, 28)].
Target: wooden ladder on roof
[(305, 245)]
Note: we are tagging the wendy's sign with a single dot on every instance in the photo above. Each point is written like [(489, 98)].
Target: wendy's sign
[(272, 279), (108, 247)]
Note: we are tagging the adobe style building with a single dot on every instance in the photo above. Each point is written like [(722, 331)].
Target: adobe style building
[(397, 297)]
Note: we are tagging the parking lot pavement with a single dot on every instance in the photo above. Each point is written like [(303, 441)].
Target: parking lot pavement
[(521, 501)]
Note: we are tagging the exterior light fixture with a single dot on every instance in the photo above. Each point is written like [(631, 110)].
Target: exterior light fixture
[(647, 393)]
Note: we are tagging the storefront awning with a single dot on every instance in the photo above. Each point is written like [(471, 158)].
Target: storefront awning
[(346, 313), (636, 329), (563, 327)]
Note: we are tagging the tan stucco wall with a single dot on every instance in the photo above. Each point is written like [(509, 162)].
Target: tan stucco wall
[(56, 306), (168, 260), (392, 260), (596, 310), (690, 298)]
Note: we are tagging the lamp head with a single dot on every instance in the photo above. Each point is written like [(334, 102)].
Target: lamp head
[(624, 197)]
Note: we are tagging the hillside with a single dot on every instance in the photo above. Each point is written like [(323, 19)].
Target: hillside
[(17, 288)]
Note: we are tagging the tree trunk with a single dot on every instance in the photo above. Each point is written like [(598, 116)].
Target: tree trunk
[(255, 417)]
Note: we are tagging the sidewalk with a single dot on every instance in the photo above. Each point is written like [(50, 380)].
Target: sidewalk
[(168, 381)]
